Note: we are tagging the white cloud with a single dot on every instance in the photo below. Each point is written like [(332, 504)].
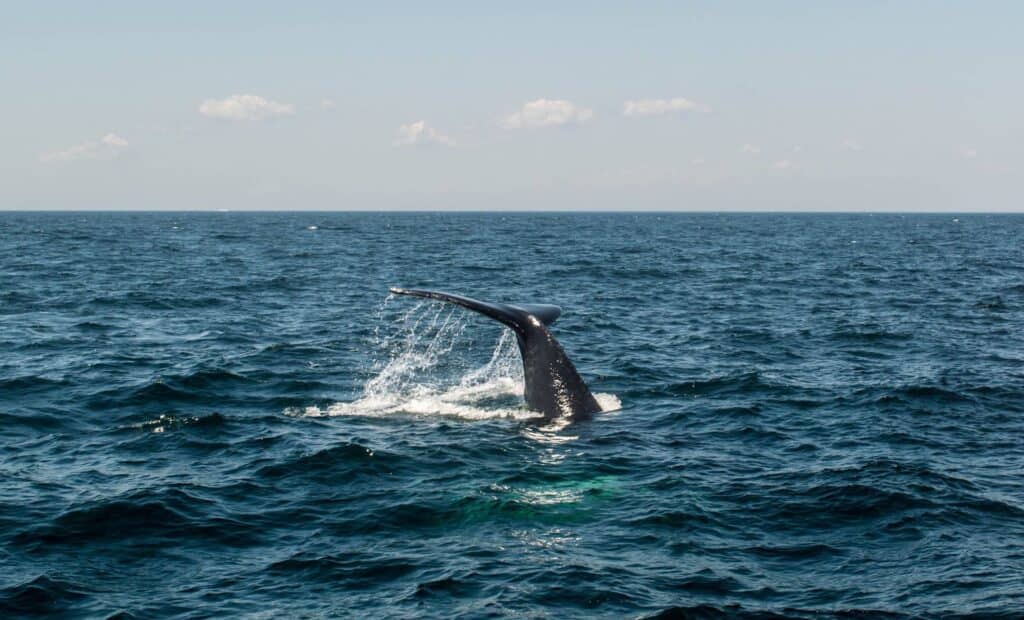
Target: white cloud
[(784, 164), (655, 107), (112, 139), (751, 149), (106, 147), (420, 133), (244, 108), (970, 153), (327, 104), (547, 113), (697, 161), (852, 145)]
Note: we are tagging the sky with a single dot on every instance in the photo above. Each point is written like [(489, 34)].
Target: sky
[(747, 106)]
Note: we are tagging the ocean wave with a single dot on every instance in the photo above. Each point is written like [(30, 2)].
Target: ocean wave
[(749, 433), (928, 393), (42, 595), (988, 507), (573, 587), (355, 569), (31, 383), (875, 335), (197, 386), (142, 517), (887, 469), (327, 463), (34, 420), (743, 383), (692, 520), (446, 586), (154, 393), (94, 326), (168, 422), (707, 582), (280, 283), (794, 553), (209, 377), (151, 301), (833, 505), (707, 611)]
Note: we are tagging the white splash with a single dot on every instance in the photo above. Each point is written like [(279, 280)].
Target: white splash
[(608, 402), (417, 377)]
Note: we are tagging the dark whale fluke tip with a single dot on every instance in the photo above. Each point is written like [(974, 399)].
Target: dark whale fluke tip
[(553, 387)]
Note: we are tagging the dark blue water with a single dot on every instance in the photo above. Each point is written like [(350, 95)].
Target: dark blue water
[(224, 414)]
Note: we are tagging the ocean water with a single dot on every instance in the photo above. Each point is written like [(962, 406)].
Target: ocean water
[(226, 414)]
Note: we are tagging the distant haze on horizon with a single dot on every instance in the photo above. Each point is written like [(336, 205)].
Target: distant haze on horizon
[(703, 106)]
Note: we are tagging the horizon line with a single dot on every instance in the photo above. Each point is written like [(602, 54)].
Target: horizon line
[(528, 211)]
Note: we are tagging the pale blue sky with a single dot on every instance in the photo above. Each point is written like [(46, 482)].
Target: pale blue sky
[(911, 106)]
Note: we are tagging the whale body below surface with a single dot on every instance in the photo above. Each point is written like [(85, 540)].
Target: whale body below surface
[(553, 387)]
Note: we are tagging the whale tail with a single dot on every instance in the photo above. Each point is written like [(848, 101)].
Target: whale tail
[(553, 386)]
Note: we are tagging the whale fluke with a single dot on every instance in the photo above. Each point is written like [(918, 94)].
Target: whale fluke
[(553, 387)]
